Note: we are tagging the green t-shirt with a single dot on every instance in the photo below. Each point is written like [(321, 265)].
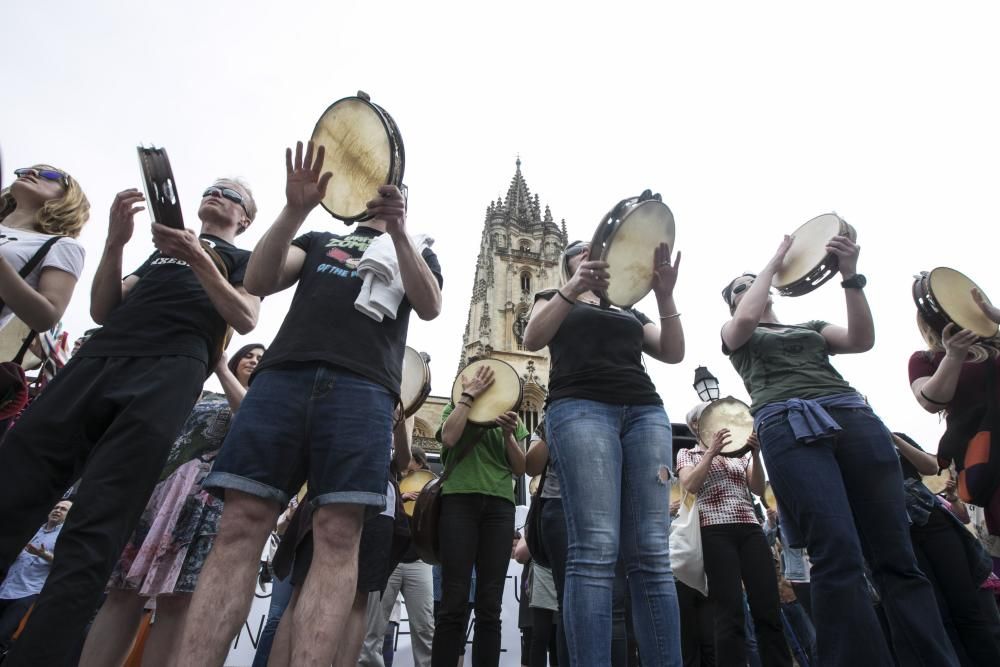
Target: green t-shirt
[(783, 361), (484, 469)]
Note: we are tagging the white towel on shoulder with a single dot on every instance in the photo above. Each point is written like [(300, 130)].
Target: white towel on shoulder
[(382, 291)]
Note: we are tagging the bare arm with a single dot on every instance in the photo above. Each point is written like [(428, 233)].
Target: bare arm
[(454, 425), (275, 264), (40, 309), (926, 464), (737, 331), (402, 440), (231, 387), (521, 553), (934, 392), (665, 342), (536, 458), (755, 471), (693, 477), (509, 422), (547, 316), (108, 289), (859, 335)]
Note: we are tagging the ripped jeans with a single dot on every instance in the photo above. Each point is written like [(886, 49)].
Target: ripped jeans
[(612, 462)]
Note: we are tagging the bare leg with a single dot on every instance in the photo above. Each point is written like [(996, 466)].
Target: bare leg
[(164, 637), (349, 647), (281, 647), (114, 630), (216, 614), (327, 593)]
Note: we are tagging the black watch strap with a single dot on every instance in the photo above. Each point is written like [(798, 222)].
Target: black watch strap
[(857, 281)]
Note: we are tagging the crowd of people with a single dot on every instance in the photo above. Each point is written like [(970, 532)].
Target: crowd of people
[(177, 490)]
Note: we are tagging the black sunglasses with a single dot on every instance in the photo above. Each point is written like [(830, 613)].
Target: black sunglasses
[(742, 287), (228, 193), (47, 174), (575, 249)]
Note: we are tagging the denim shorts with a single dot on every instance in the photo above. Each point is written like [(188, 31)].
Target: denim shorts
[(309, 422)]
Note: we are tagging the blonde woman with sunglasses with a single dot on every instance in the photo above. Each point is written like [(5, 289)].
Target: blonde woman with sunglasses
[(44, 202)]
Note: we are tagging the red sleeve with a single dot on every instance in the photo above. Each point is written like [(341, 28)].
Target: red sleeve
[(922, 365), (684, 459)]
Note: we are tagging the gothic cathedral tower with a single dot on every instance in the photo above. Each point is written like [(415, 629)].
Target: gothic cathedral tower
[(518, 256)]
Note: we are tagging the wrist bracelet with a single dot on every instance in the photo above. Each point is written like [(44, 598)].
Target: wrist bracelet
[(564, 297), (931, 400), (467, 395), (670, 317), (468, 405)]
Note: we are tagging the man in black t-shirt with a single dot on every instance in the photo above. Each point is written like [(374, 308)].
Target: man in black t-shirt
[(111, 415), (320, 410)]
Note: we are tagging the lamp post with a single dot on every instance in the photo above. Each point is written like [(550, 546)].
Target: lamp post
[(706, 384)]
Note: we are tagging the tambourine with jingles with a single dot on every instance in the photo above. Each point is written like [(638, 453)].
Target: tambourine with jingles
[(944, 296), (627, 239), (160, 186), (730, 413), (504, 395), (808, 264), (364, 150), (415, 386)]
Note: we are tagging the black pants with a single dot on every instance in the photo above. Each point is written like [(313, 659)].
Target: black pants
[(941, 556), (697, 627), (543, 639), (475, 530), (11, 613), (109, 422), (803, 593), (737, 557)]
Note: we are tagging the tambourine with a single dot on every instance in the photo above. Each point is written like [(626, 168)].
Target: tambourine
[(944, 296), (808, 264), (415, 386), (627, 239), (161, 189), (364, 150), (504, 395), (414, 482), (730, 413)]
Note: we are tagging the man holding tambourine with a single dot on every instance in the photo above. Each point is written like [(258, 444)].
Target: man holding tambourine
[(320, 410)]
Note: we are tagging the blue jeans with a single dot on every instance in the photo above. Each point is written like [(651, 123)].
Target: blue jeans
[(281, 593), (845, 494), (610, 458)]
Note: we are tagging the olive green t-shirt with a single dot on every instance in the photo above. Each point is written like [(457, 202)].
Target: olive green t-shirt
[(783, 361), (484, 469)]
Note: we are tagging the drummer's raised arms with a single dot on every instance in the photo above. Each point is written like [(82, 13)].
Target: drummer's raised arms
[(750, 309), (934, 392), (275, 265), (859, 335)]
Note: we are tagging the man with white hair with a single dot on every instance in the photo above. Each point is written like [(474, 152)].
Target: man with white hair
[(111, 415)]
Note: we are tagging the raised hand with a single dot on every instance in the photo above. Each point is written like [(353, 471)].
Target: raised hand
[(988, 308), (664, 272), (390, 207), (721, 439), (182, 244), (847, 252), (305, 182), (779, 255), (957, 341), (590, 276), (480, 382), (121, 223)]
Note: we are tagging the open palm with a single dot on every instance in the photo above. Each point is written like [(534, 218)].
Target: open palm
[(305, 184)]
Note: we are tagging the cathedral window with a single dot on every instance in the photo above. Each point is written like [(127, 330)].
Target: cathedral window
[(525, 245), (526, 282)]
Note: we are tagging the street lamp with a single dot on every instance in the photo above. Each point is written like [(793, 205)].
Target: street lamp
[(706, 384)]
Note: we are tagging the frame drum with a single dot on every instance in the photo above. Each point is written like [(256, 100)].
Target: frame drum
[(364, 150), (944, 296), (808, 264), (729, 413), (414, 482), (769, 499), (504, 395), (626, 239), (415, 386), (160, 187)]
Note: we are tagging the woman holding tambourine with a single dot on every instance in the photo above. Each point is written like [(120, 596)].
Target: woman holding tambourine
[(736, 553), (610, 440), (833, 464)]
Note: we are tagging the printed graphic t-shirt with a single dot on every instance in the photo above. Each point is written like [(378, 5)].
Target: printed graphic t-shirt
[(167, 312), (323, 324)]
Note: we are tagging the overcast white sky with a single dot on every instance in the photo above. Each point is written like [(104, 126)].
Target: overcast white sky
[(750, 118)]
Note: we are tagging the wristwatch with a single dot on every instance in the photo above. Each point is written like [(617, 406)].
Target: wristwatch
[(857, 281)]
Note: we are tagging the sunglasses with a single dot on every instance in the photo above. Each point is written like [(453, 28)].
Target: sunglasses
[(47, 174), (742, 287), (228, 193), (575, 250)]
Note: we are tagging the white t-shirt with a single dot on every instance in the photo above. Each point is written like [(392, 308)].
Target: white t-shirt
[(18, 246)]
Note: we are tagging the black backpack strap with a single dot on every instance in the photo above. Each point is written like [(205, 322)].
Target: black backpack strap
[(24, 273)]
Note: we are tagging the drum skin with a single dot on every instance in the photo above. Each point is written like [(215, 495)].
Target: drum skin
[(730, 413), (363, 152), (415, 386), (627, 239), (944, 296), (808, 265), (504, 395), (414, 482)]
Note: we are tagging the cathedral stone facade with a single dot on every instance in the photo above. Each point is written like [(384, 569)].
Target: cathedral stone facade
[(518, 256)]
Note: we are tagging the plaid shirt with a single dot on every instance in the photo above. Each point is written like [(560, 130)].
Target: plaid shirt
[(725, 496)]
